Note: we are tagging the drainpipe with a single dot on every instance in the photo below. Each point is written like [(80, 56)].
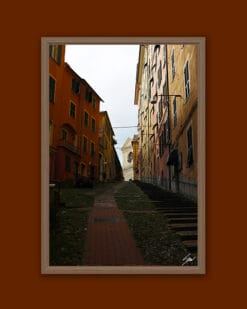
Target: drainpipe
[(146, 46), (168, 120)]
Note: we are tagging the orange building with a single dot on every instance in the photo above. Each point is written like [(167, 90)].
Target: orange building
[(109, 165), (74, 121)]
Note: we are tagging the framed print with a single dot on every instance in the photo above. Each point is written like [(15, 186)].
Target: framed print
[(123, 155)]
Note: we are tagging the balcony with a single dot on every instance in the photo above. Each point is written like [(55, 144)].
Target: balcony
[(69, 146)]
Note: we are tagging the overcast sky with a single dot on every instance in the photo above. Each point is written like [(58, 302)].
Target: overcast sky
[(111, 71)]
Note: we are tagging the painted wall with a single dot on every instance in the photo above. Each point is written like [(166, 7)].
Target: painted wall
[(68, 158)]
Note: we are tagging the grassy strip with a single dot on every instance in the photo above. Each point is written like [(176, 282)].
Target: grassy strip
[(74, 197), (69, 224), (68, 237), (158, 244), (68, 231)]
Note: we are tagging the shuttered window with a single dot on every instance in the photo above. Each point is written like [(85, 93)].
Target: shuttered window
[(86, 119), (160, 75), (187, 80), (75, 86), (92, 150), (190, 147), (84, 144), (55, 52), (52, 86), (94, 102), (173, 64), (72, 110), (175, 112), (64, 134), (89, 96), (93, 125)]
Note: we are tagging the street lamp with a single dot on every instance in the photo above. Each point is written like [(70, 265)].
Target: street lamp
[(154, 101)]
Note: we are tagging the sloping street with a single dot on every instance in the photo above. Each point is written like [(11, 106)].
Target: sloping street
[(120, 224), (109, 240)]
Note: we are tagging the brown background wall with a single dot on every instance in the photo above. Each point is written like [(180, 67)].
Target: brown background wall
[(22, 25)]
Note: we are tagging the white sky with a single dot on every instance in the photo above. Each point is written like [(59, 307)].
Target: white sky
[(111, 71)]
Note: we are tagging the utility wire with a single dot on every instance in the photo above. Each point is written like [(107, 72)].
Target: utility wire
[(125, 127)]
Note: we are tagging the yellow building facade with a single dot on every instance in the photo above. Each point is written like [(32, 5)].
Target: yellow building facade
[(167, 96), (182, 75)]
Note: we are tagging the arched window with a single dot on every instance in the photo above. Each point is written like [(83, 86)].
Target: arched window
[(130, 157)]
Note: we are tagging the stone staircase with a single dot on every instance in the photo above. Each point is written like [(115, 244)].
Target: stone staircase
[(181, 213)]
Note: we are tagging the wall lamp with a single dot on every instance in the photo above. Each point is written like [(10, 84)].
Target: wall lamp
[(154, 101)]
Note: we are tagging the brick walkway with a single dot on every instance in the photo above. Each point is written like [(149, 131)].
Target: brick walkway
[(109, 240)]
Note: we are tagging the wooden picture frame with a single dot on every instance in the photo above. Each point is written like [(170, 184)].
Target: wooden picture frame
[(201, 142)]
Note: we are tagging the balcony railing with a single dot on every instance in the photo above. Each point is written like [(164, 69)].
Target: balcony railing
[(69, 146)]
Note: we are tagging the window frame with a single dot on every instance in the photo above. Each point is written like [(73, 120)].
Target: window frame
[(190, 147), (93, 127), (173, 64), (85, 144), (86, 119), (94, 102), (64, 134), (55, 52), (54, 92), (72, 113), (187, 80), (75, 86), (92, 149), (175, 119)]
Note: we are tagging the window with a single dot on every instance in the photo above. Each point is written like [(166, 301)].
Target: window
[(75, 86), (164, 52), (84, 144), (86, 119), (93, 124), (173, 64), (190, 147), (55, 52), (89, 95), (94, 103), (160, 110), (186, 80), (175, 112), (72, 110), (52, 86), (92, 152), (159, 74), (67, 163), (130, 157), (64, 134), (165, 135)]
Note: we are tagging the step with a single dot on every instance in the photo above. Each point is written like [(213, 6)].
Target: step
[(183, 226), (174, 203), (191, 245), (187, 235), (181, 214), (182, 220), (176, 209)]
